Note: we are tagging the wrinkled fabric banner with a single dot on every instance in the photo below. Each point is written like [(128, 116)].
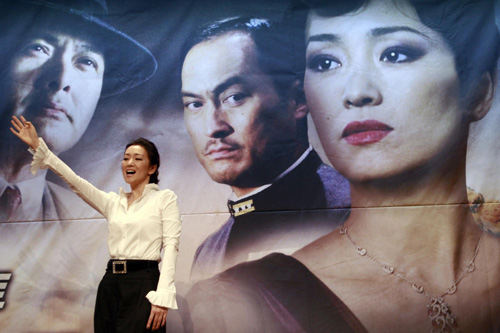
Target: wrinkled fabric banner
[(264, 136)]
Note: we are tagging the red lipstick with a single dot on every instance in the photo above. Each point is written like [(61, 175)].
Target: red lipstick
[(359, 133)]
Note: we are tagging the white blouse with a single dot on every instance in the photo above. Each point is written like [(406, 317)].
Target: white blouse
[(135, 232)]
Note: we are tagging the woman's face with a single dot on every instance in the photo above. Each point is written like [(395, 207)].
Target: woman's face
[(382, 90), (136, 167)]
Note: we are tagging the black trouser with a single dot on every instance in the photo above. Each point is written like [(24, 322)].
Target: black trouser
[(121, 304)]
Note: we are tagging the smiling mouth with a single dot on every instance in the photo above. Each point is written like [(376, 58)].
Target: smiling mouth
[(359, 133), (130, 172)]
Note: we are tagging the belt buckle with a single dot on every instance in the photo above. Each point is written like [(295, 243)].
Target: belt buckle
[(123, 271)]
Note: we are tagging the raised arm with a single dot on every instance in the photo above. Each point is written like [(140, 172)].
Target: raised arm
[(44, 158)]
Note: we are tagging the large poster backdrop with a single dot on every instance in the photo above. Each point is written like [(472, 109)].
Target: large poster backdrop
[(391, 89)]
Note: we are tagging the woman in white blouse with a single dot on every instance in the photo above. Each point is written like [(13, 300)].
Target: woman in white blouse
[(132, 296)]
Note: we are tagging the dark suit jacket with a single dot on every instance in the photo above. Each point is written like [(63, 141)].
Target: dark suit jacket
[(307, 203)]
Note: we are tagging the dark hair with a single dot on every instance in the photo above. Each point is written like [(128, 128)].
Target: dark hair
[(154, 156), (275, 44), (468, 26)]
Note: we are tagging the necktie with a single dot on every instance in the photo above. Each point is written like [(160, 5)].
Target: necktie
[(9, 202)]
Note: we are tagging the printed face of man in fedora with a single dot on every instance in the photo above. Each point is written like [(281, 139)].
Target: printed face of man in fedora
[(62, 58), (59, 58), (57, 80)]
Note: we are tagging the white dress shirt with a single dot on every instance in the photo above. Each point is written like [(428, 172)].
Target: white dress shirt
[(136, 232)]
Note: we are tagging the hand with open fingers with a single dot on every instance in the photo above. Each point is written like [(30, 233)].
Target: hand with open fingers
[(25, 131), (157, 318)]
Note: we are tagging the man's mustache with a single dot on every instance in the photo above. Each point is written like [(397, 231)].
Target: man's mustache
[(220, 144)]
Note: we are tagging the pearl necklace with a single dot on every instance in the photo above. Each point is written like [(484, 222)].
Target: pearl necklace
[(439, 312)]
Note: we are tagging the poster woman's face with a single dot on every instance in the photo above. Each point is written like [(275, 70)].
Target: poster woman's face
[(383, 91)]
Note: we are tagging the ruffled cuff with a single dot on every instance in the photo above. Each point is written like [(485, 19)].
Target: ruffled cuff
[(39, 156), (165, 299)]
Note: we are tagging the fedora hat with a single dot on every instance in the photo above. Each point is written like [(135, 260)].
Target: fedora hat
[(127, 62)]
